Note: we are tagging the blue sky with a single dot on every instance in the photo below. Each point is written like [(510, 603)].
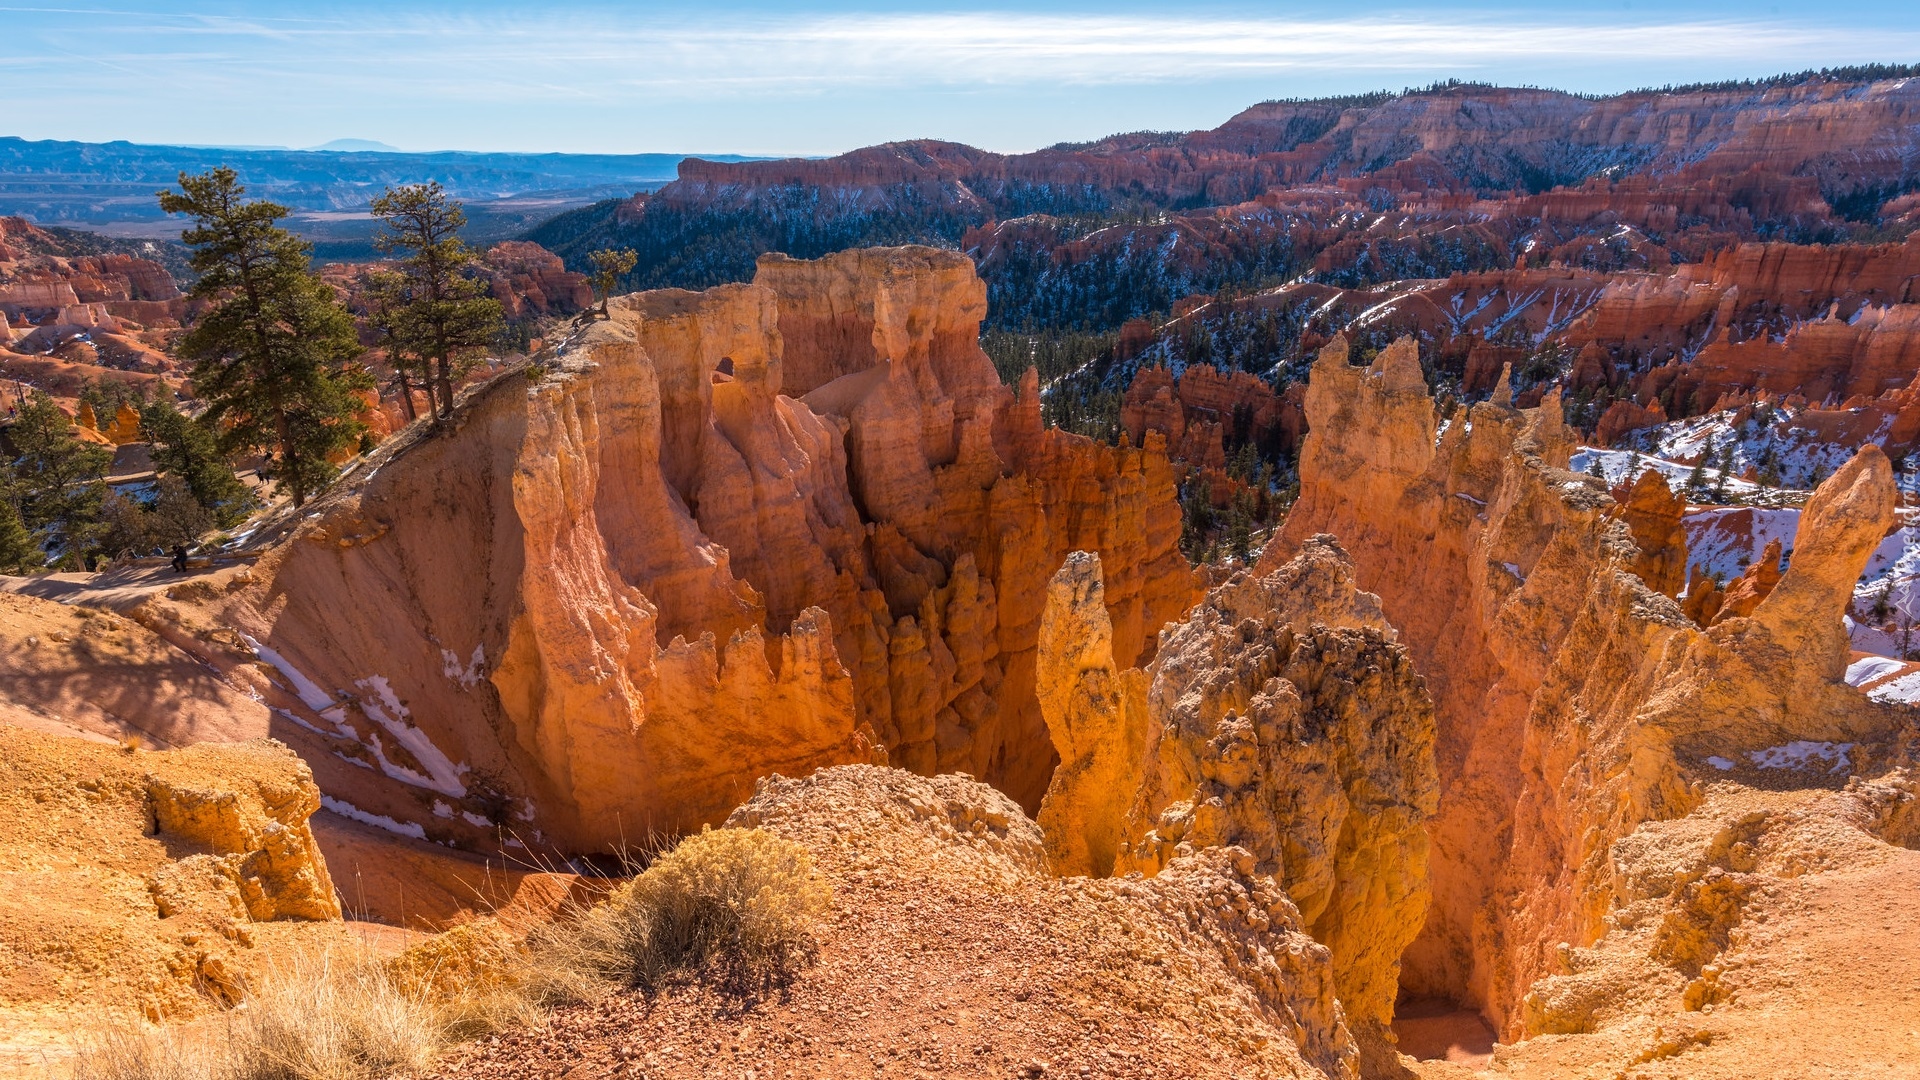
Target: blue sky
[(821, 78)]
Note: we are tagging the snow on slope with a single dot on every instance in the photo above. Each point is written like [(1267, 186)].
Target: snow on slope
[(1724, 540)]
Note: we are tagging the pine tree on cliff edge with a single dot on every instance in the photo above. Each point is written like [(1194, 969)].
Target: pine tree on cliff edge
[(609, 266), (275, 355), (440, 316)]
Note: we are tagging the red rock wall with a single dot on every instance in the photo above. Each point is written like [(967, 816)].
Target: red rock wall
[(628, 590)]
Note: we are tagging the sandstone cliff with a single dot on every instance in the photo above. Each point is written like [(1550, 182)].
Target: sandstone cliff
[(762, 528), (1513, 584)]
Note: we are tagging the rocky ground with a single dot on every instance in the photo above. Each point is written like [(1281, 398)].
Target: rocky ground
[(950, 953)]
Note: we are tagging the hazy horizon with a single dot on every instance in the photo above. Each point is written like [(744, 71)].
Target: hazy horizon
[(763, 79)]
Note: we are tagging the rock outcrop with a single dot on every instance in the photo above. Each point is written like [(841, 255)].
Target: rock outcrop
[(137, 881), (1096, 714), (1213, 909), (1653, 514), (1280, 718), (758, 529), (529, 280)]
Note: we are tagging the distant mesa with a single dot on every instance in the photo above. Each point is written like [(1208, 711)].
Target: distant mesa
[(357, 146)]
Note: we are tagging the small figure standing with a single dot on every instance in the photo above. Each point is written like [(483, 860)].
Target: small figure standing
[(180, 558)]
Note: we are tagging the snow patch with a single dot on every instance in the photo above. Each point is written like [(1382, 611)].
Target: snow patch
[(1904, 690), (1719, 762), (1803, 754), (306, 689), (378, 821), (1724, 540), (442, 776), (469, 674), (285, 715), (1868, 668)]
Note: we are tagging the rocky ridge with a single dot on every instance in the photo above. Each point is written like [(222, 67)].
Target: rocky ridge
[(1279, 717), (952, 950), (806, 506)]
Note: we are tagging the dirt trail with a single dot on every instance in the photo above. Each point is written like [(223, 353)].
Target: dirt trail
[(117, 589)]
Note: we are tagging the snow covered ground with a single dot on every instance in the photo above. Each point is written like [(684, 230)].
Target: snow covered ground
[(1620, 466), (1774, 438), (1724, 540)]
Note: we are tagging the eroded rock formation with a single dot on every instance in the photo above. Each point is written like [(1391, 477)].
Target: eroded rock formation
[(1512, 584), (1278, 717), (762, 528), (134, 881)]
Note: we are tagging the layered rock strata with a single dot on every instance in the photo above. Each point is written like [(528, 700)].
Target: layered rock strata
[(1574, 703), (762, 528)]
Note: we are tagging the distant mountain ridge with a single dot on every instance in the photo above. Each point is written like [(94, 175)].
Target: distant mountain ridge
[(55, 182), (1811, 155), (350, 145)]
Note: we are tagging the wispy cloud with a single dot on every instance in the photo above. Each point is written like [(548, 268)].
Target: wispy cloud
[(588, 52), (819, 80)]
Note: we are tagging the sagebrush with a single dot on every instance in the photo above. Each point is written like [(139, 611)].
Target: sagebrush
[(737, 905)]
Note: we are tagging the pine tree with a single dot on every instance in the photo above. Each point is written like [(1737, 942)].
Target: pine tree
[(18, 553), (185, 449), (609, 266), (385, 295), (57, 484), (1239, 535), (445, 316), (275, 355)]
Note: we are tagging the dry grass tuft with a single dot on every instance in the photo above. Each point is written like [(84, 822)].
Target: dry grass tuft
[(737, 904), (319, 1020)]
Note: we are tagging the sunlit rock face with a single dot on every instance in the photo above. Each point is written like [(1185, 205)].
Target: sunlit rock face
[(763, 528), (1281, 718), (1575, 700)]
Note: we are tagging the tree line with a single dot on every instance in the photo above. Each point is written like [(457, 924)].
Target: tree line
[(277, 365)]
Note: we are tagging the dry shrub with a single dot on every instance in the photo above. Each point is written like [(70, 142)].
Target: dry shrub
[(126, 1053), (740, 905), (737, 904), (318, 1020)]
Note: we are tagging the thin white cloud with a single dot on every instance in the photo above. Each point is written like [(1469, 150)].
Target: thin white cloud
[(696, 77), (596, 54), (1002, 48)]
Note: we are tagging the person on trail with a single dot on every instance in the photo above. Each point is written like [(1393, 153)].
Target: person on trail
[(180, 558)]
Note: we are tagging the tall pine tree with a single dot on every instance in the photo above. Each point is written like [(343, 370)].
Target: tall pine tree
[(442, 317), (185, 449), (275, 356)]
